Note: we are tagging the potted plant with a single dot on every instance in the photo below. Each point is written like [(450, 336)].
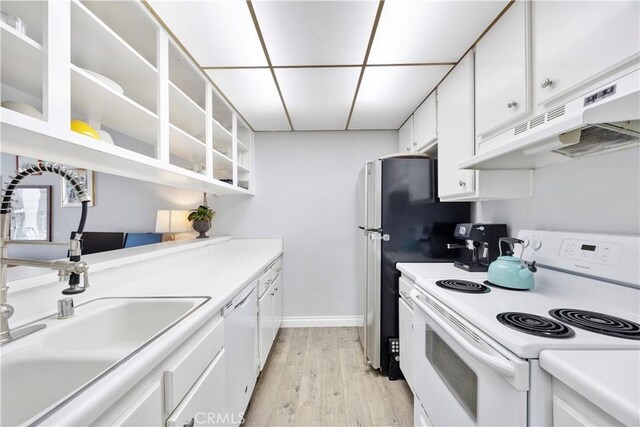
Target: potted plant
[(201, 218)]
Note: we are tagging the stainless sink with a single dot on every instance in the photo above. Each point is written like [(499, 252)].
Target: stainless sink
[(41, 371)]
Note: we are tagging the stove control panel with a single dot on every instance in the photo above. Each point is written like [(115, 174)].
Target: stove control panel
[(589, 251)]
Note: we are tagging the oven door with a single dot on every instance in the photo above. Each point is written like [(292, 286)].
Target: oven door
[(460, 376)]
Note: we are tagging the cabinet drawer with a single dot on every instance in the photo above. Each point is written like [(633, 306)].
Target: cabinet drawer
[(269, 276), (146, 410), (190, 361), (205, 404)]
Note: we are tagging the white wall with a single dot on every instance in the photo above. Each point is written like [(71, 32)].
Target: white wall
[(121, 204), (599, 194), (306, 186)]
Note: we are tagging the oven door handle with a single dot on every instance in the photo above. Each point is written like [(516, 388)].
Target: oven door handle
[(497, 363)]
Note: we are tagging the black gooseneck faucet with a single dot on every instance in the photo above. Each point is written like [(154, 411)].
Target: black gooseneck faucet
[(71, 269)]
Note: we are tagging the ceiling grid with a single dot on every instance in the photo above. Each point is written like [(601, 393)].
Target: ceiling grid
[(388, 55)]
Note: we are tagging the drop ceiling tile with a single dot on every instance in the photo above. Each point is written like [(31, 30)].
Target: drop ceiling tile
[(253, 92), (316, 32), (430, 31), (318, 98), (388, 95), (217, 33)]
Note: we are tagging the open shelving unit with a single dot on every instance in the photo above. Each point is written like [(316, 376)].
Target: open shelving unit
[(23, 54), (169, 124)]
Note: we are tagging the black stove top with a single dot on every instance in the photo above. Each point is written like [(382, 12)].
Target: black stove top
[(463, 286), (599, 323), (535, 325)]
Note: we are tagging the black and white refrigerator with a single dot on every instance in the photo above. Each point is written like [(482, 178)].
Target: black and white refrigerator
[(400, 220)]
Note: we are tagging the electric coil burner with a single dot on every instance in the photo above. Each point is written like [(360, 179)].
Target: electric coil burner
[(535, 325), (598, 322), (463, 286)]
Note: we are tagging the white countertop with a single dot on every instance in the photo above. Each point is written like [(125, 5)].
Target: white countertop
[(216, 268), (608, 378), (436, 270)]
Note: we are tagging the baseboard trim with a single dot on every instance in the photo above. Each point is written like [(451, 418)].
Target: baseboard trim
[(321, 321)]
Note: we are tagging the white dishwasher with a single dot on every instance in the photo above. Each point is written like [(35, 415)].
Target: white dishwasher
[(240, 329)]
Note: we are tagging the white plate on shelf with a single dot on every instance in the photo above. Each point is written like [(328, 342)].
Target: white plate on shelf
[(107, 81), (23, 108), (106, 137)]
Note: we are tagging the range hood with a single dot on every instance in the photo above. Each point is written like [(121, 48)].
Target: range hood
[(605, 119)]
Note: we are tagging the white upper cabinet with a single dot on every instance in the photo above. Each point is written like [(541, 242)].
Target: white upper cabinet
[(575, 43), (405, 136), (425, 123), (502, 71), (456, 142), (455, 130)]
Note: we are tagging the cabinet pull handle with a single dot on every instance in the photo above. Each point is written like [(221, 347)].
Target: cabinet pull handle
[(189, 423), (462, 183), (512, 104), (546, 83)]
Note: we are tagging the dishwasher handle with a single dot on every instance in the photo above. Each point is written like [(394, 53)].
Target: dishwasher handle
[(230, 306), (244, 302)]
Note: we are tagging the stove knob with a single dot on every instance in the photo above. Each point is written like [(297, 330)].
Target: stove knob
[(536, 244)]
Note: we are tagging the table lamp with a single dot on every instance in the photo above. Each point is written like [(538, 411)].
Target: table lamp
[(171, 222)]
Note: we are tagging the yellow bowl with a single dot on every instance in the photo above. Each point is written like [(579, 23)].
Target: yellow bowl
[(84, 128)]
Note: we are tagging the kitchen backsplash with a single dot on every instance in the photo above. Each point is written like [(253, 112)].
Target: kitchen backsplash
[(599, 194)]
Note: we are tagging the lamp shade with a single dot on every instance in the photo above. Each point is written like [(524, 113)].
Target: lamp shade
[(170, 221)]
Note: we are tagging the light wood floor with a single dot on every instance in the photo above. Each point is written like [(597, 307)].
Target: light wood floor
[(316, 377)]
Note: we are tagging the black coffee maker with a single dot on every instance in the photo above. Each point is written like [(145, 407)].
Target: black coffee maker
[(482, 244)]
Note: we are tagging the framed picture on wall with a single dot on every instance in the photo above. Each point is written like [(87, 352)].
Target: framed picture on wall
[(69, 195), (31, 214)]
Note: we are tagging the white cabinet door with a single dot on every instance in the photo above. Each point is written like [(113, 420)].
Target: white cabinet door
[(277, 304), (577, 42), (265, 325), (405, 314), (425, 123), (456, 139), (206, 402), (501, 65), (146, 410), (405, 137)]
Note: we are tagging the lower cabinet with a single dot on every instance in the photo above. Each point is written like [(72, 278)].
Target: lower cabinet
[(269, 311), (265, 325), (146, 409), (277, 305), (405, 314), (205, 404), (186, 389), (572, 409)]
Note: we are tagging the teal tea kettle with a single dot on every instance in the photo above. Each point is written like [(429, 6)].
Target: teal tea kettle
[(511, 272)]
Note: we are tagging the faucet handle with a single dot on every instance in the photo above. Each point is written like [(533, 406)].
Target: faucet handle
[(85, 279)]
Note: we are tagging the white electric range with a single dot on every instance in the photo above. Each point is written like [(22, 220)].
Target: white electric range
[(476, 346)]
